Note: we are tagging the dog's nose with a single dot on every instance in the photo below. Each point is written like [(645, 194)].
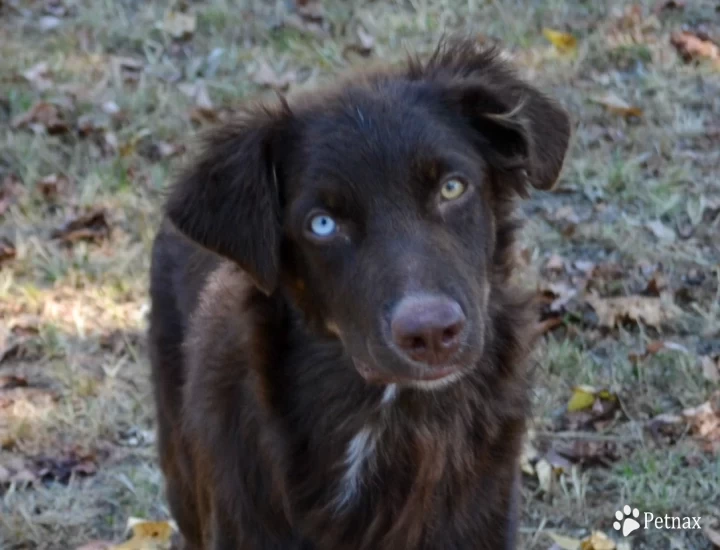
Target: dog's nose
[(428, 329)]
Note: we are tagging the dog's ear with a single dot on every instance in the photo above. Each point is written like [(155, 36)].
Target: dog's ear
[(228, 200), (516, 126), (519, 127)]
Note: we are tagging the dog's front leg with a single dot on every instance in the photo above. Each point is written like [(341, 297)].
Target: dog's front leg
[(513, 521)]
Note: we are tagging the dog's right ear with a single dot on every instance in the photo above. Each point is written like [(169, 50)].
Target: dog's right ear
[(228, 200)]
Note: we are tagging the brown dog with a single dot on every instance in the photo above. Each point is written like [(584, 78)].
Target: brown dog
[(338, 355)]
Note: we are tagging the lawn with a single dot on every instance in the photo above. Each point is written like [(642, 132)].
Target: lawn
[(99, 103)]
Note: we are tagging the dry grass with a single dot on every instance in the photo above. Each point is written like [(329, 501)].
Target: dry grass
[(77, 312)]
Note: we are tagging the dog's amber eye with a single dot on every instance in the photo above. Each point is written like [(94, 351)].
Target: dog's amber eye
[(452, 189)]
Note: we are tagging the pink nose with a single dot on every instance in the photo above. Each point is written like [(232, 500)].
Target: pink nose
[(428, 329)]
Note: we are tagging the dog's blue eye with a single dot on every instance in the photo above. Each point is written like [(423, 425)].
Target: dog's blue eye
[(323, 225)]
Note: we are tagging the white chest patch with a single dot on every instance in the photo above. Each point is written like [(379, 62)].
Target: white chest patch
[(389, 394), (358, 459)]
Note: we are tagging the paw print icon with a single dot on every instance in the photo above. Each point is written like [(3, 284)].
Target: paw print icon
[(627, 520)]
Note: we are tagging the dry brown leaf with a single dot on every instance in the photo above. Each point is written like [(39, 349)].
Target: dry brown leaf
[(7, 250), (563, 42), (704, 423), (62, 468), (179, 25), (39, 76), (266, 76), (92, 226), (92, 124), (618, 106), (42, 115), (126, 69), (52, 186), (692, 47), (648, 310), (668, 5)]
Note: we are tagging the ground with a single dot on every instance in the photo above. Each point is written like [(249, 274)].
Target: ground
[(99, 101)]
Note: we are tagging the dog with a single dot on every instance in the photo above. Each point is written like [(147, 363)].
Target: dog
[(338, 352)]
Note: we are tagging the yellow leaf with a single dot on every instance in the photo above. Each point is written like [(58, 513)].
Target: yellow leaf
[(566, 543), (582, 398), (564, 42), (147, 535), (597, 541)]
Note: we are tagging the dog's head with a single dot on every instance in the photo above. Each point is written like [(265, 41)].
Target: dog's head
[(381, 208)]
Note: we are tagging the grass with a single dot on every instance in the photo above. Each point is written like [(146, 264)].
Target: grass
[(77, 312)]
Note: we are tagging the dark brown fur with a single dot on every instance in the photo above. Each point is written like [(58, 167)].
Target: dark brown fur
[(256, 331)]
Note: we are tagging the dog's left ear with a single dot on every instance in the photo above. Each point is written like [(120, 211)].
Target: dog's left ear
[(516, 126), (522, 128)]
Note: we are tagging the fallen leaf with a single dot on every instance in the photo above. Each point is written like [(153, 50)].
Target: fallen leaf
[(126, 69), (549, 324), (92, 226), (597, 541), (710, 368), (564, 42), (586, 453), (563, 542), (39, 76), (667, 5), (692, 47), (61, 469), (10, 381), (618, 106), (91, 124), (582, 398), (179, 25), (648, 310), (7, 250), (661, 231), (148, 535), (52, 186), (42, 115), (704, 423), (266, 76), (712, 535)]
